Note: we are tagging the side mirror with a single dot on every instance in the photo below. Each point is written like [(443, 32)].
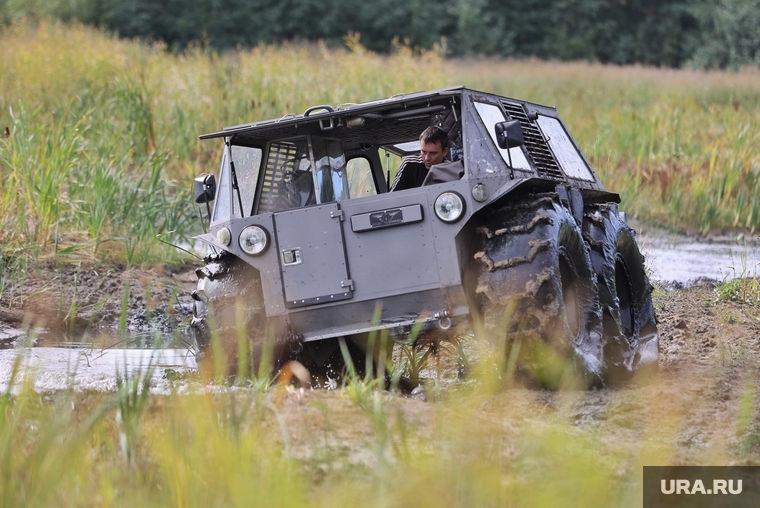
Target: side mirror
[(204, 187), (509, 134)]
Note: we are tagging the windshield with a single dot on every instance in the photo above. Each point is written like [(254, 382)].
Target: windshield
[(288, 173), (247, 161)]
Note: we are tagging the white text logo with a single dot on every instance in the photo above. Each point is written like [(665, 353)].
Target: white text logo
[(698, 487)]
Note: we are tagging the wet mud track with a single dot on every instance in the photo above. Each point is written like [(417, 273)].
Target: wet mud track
[(65, 303)]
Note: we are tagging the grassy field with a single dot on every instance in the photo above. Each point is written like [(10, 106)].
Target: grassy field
[(101, 135), (471, 443), (98, 146), (99, 141)]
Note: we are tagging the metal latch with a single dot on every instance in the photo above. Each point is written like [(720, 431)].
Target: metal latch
[(292, 257), (347, 284), (337, 214)]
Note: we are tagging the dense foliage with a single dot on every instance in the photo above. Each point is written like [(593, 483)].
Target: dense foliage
[(672, 33)]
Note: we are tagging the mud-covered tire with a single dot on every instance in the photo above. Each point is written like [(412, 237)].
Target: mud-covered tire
[(629, 321), (229, 305), (535, 285)]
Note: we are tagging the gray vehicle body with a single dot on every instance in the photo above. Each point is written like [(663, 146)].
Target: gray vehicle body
[(383, 260)]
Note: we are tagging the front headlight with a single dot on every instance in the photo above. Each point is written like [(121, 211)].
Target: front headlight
[(223, 236), (449, 207), (253, 240)]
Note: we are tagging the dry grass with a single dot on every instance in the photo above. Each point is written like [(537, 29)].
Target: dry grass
[(100, 129), (678, 145)]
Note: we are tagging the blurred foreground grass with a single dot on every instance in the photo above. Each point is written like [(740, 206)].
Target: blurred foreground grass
[(99, 135), (470, 444)]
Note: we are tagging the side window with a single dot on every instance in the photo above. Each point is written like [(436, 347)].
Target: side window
[(491, 115), (564, 150), (360, 181), (288, 179)]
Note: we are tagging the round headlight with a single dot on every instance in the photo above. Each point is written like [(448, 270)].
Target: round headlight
[(253, 240), (449, 206), (480, 193), (223, 236)]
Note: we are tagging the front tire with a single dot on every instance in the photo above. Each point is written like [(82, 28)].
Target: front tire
[(229, 307), (535, 285)]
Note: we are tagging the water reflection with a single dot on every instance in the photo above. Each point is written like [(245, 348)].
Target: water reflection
[(94, 363), (683, 259)]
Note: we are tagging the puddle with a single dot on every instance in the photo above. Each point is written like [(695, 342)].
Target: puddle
[(61, 361), (87, 368), (683, 259)]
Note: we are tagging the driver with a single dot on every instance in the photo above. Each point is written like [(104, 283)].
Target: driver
[(434, 149)]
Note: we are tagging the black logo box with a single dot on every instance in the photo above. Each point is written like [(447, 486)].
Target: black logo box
[(708, 486)]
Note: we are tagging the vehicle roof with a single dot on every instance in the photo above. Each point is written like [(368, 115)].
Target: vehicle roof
[(347, 110)]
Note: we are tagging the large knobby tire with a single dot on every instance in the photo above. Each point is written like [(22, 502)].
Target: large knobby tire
[(630, 324), (536, 289)]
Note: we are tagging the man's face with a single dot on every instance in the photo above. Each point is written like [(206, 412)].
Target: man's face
[(432, 153)]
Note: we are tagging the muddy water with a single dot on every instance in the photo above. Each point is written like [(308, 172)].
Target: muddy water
[(683, 259), (95, 364), (56, 368)]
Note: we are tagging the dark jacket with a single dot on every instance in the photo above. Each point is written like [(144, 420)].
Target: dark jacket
[(411, 174)]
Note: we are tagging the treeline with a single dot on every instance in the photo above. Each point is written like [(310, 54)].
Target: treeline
[(672, 33)]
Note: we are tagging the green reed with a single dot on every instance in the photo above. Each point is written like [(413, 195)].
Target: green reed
[(102, 133), (678, 145), (101, 142)]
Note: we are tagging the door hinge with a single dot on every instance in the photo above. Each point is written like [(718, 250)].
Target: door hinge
[(347, 284), (337, 214)]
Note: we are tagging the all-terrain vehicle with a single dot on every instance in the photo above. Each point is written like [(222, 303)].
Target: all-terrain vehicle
[(519, 242)]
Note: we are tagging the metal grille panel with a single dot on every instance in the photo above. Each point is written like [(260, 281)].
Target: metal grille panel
[(539, 151), (280, 154)]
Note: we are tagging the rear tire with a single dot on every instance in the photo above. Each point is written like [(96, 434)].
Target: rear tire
[(630, 324), (536, 286)]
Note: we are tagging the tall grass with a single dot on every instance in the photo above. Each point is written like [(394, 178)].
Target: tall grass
[(101, 141), (474, 445), (678, 145)]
